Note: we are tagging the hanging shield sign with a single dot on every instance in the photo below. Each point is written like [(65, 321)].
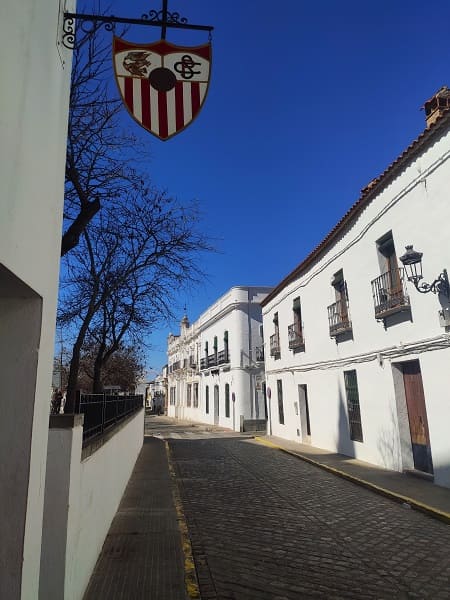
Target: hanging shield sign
[(162, 85)]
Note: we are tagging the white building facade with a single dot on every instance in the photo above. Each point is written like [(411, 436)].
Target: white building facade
[(216, 365), (34, 106), (357, 360)]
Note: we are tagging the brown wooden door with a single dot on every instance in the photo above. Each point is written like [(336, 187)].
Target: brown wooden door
[(417, 415)]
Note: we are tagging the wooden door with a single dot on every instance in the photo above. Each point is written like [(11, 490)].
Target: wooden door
[(417, 415)]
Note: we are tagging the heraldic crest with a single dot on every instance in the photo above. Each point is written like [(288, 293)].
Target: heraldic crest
[(163, 85)]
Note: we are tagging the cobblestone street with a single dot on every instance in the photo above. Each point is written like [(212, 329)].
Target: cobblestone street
[(266, 525)]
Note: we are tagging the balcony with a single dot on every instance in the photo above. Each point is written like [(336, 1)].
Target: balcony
[(222, 357), (295, 336), (259, 353), (275, 349), (338, 318), (175, 367), (389, 294), (209, 361)]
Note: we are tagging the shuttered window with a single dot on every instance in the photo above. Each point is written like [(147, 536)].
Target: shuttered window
[(354, 413), (280, 401)]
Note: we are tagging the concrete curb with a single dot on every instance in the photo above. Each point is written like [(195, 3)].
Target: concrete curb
[(416, 504), (190, 574)]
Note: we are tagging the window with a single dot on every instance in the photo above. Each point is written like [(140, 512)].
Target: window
[(274, 341), (280, 401), (338, 316), (388, 289), (189, 395), (225, 344), (227, 400), (354, 413), (172, 396), (195, 395), (207, 400), (295, 332)]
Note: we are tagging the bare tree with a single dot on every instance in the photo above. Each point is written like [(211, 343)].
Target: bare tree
[(123, 276), (101, 157), (124, 369)]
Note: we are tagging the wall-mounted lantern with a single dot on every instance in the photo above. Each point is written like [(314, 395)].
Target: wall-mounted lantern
[(412, 260)]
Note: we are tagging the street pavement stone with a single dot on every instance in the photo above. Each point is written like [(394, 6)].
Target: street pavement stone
[(266, 525)]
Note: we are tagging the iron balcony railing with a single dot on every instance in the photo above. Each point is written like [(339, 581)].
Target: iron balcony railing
[(389, 293), (222, 357), (295, 336), (102, 412), (274, 341), (339, 318), (209, 361), (259, 353)]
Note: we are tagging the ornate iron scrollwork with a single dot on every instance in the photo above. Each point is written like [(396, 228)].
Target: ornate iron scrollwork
[(158, 15), (68, 37), (155, 18)]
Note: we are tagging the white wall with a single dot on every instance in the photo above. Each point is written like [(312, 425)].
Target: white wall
[(92, 491), (414, 207), (33, 121), (239, 313)]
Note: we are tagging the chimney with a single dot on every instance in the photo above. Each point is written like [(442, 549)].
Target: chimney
[(437, 105)]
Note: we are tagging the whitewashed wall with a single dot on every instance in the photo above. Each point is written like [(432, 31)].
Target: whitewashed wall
[(91, 489), (239, 313), (415, 207), (33, 124)]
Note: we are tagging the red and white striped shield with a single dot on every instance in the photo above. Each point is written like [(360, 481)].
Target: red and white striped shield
[(163, 85)]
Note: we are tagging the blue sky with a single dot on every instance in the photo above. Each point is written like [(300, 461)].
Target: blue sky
[(307, 103)]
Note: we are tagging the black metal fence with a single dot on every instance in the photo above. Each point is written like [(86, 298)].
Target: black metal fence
[(102, 412)]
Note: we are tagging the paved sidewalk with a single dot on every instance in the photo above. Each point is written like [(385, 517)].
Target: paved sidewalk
[(142, 556), (418, 493)]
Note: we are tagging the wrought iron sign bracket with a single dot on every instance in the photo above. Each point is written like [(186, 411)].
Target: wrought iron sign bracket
[(154, 18)]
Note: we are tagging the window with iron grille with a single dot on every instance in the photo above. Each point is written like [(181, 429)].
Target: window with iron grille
[(280, 401), (354, 413), (189, 395), (227, 399), (195, 395), (207, 400)]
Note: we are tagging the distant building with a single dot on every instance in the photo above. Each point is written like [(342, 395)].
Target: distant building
[(357, 360), (216, 365), (155, 394)]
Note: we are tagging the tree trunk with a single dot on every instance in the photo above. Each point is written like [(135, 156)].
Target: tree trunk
[(72, 380), (97, 385)]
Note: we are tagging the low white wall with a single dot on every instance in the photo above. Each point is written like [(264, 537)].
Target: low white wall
[(95, 488)]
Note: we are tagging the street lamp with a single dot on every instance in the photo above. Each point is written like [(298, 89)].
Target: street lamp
[(412, 260)]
